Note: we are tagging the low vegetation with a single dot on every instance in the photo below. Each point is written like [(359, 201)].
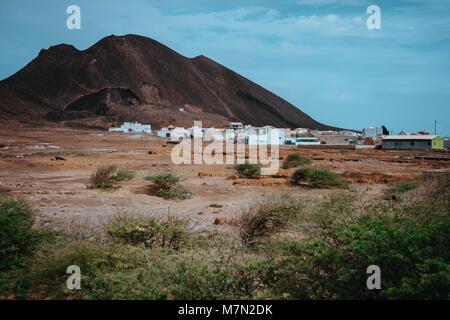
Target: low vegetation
[(152, 232), (284, 248), (18, 238), (248, 170), (106, 177), (295, 160), (318, 178), (167, 187), (265, 219)]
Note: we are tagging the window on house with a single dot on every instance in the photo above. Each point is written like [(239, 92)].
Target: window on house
[(412, 143)]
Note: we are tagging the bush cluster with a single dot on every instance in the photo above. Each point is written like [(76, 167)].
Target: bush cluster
[(17, 238), (295, 160), (248, 170), (318, 178), (166, 184), (105, 177), (151, 232)]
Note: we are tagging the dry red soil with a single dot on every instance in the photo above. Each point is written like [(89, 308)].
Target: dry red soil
[(28, 168)]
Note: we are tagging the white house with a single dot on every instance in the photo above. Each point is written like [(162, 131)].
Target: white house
[(195, 132), (164, 132), (179, 133), (133, 127), (213, 134), (265, 136)]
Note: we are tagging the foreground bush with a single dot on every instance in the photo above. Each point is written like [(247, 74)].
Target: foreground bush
[(265, 219), (151, 232), (407, 240), (17, 238), (318, 178), (295, 160), (312, 248), (248, 170)]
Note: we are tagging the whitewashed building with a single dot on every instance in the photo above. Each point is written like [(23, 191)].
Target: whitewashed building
[(264, 136), (133, 127)]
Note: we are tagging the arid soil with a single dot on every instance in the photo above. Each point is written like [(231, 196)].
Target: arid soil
[(28, 168)]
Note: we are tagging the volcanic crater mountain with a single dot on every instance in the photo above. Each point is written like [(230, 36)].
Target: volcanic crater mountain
[(134, 78)]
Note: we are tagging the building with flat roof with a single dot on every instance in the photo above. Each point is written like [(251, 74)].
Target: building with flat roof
[(133, 127), (412, 142)]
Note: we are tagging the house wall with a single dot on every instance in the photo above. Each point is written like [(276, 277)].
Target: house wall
[(406, 144), (372, 132), (337, 139), (437, 143)]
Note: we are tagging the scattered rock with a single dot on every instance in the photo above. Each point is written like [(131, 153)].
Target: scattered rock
[(200, 213), (220, 220), (60, 158), (215, 205), (282, 173), (202, 174)]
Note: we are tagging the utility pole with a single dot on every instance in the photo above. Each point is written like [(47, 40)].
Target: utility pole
[(435, 127)]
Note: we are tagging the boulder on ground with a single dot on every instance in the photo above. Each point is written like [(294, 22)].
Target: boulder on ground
[(220, 220)]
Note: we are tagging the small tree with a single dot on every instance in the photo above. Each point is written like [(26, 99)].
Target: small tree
[(318, 178), (296, 160), (248, 170)]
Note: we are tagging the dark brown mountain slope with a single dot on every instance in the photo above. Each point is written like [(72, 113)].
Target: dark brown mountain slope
[(130, 78)]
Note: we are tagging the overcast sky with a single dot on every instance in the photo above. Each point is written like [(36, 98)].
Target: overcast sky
[(317, 54)]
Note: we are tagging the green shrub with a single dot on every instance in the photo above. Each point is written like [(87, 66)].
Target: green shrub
[(295, 160), (127, 272), (428, 187), (407, 242), (174, 192), (105, 177), (102, 176), (165, 180), (17, 238), (318, 178), (265, 219), (105, 186), (406, 187), (152, 232), (107, 272), (167, 186), (122, 175), (248, 170)]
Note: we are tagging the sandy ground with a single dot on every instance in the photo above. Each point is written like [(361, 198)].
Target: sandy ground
[(28, 168)]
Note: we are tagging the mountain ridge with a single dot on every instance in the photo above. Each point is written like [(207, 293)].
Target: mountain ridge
[(134, 78)]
